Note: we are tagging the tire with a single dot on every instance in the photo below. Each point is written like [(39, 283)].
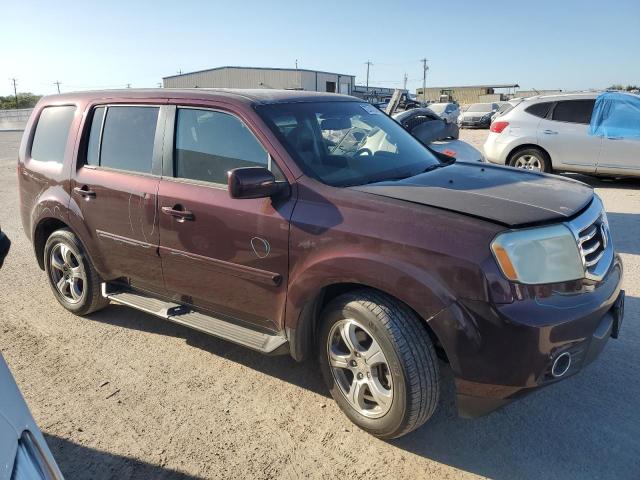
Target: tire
[(531, 159), (406, 377), (67, 264)]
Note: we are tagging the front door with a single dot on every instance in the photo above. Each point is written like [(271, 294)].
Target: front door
[(565, 135), (225, 255), (115, 190)]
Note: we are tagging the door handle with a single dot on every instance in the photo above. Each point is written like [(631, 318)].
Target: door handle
[(84, 191), (614, 138), (549, 132), (178, 212)]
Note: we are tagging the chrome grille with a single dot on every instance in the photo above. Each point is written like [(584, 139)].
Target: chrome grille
[(591, 230), (592, 244)]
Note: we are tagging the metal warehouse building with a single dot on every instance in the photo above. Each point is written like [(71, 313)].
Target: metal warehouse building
[(253, 77), (470, 93)]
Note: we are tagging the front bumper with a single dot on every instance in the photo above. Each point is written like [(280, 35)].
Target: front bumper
[(5, 244), (499, 353)]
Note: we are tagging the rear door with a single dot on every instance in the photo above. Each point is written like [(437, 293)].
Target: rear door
[(228, 256), (564, 134), (115, 190)]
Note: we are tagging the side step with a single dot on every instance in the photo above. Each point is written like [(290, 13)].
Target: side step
[(184, 315)]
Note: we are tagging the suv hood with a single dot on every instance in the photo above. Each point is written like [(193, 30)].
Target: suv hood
[(503, 195)]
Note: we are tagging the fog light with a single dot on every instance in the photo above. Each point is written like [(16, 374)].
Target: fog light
[(561, 365)]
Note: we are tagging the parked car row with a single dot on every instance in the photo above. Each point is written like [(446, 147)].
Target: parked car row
[(558, 133)]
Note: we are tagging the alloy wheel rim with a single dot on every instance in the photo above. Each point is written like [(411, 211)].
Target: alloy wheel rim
[(528, 162), (360, 368), (67, 273)]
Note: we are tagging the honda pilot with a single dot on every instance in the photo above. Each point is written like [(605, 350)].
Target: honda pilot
[(315, 225)]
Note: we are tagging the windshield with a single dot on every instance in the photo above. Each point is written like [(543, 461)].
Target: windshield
[(347, 143), (437, 107), (479, 107)]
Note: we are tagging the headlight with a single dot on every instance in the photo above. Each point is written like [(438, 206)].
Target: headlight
[(30, 463), (538, 255)]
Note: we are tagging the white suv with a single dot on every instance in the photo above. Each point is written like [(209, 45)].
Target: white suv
[(549, 133)]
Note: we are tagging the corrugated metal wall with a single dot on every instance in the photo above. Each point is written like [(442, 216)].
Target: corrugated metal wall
[(260, 78), (237, 78), (463, 95)]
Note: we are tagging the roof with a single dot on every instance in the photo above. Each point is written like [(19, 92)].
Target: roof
[(258, 68), (255, 96), (495, 85)]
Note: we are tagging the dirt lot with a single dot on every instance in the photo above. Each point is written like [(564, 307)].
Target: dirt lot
[(122, 394)]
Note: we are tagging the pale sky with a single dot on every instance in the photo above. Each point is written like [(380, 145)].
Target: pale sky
[(538, 44)]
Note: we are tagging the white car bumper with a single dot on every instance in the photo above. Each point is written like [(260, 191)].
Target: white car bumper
[(497, 147)]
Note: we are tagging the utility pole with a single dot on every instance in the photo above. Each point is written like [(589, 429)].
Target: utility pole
[(368, 63), (424, 80), (296, 63), (57, 83), (406, 77), (15, 91), (128, 85)]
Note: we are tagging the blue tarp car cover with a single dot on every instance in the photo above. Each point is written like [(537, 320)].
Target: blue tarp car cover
[(616, 115)]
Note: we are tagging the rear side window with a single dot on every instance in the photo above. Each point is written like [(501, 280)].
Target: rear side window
[(539, 109), (574, 111), (208, 144), (52, 132), (127, 138)]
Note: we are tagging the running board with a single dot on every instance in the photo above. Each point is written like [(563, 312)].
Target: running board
[(185, 315)]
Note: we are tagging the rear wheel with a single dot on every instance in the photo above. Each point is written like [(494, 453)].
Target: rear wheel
[(72, 277), (531, 159), (379, 363)]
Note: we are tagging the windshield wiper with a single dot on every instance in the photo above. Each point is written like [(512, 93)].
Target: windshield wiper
[(433, 167)]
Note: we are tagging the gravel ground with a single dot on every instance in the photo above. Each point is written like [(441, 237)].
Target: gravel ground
[(122, 394)]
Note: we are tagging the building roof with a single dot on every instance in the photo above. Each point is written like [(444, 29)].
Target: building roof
[(258, 68), (496, 85), (254, 96)]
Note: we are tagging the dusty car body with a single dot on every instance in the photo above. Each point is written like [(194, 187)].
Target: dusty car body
[(334, 233), (24, 453), (426, 125)]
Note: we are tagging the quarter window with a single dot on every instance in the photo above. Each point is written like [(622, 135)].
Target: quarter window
[(127, 138), (93, 147), (52, 132), (574, 111), (539, 109), (208, 144)]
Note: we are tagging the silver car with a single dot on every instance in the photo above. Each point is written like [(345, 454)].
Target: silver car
[(24, 454), (548, 133), (449, 112)]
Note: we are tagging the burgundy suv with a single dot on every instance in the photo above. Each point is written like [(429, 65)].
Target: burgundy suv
[(313, 224)]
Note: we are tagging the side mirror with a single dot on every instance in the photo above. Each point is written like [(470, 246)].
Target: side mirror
[(254, 182)]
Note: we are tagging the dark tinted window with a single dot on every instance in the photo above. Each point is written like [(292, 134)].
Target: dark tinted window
[(539, 109), (127, 138), (209, 144), (93, 148), (574, 111), (52, 131)]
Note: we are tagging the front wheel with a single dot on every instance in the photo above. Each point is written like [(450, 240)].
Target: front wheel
[(379, 363)]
